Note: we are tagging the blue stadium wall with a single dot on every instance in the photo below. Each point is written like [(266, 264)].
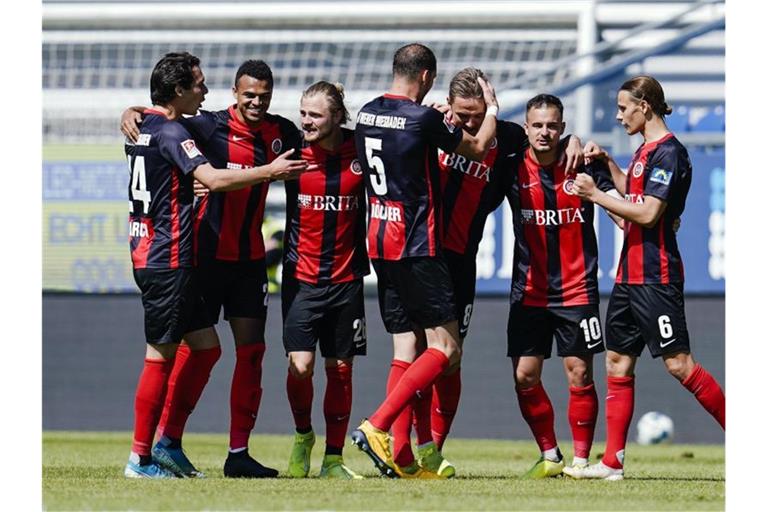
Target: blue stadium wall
[(85, 231)]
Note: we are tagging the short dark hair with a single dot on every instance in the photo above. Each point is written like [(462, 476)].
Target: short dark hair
[(174, 69), (412, 59), (544, 100), (257, 69)]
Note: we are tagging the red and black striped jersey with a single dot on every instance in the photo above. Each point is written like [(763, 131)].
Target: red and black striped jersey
[(160, 194), (472, 190), (325, 217), (555, 258), (397, 141), (663, 170), (228, 224)]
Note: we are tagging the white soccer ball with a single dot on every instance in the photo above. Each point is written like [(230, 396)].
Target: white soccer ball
[(654, 428)]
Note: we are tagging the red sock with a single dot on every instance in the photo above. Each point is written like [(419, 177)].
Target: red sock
[(401, 428), (707, 391), (150, 394), (300, 394), (422, 410), (337, 404), (538, 413), (582, 415), (422, 373), (182, 354), (190, 382), (445, 401), (619, 405), (245, 393)]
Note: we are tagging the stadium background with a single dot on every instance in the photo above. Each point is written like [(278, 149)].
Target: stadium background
[(96, 61)]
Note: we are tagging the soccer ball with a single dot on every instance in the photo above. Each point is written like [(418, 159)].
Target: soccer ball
[(654, 428)]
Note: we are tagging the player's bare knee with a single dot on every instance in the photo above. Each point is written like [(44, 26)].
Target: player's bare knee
[(679, 365), (300, 365), (619, 365)]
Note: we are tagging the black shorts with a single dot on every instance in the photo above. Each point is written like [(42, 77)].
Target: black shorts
[(414, 293), (647, 314), (332, 314), (173, 305), (576, 329), (463, 270), (240, 287)]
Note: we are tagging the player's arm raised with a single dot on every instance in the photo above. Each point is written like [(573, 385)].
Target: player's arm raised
[(222, 180), (645, 214), (477, 146)]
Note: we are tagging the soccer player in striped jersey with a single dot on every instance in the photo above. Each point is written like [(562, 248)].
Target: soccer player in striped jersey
[(471, 190), (322, 287), (163, 161), (647, 303), (397, 140), (554, 285), (229, 246)]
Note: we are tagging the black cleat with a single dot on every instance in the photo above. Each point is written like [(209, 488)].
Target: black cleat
[(242, 465)]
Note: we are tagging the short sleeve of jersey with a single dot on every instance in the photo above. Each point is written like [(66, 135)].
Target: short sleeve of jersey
[(664, 169), (200, 126), (439, 132), (177, 146), (601, 174)]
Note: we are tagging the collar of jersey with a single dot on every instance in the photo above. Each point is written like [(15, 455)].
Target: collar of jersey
[(397, 97), (241, 126), (155, 112)]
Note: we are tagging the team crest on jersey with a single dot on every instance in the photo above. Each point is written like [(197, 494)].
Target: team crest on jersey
[(662, 176), (277, 146), (494, 143), (355, 167), (190, 148), (637, 170), (568, 185)]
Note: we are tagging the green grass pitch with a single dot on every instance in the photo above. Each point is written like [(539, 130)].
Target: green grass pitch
[(83, 471)]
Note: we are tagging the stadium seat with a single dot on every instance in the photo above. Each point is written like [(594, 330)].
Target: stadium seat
[(678, 121), (713, 121)]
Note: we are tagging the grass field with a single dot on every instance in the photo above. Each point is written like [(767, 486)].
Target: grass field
[(83, 471)]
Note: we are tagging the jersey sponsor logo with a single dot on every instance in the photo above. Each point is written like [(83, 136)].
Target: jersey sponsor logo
[(634, 198), (328, 203), (469, 167), (637, 170), (232, 165), (386, 212), (190, 148), (568, 186), (394, 122), (552, 217), (277, 146), (355, 167), (662, 176), (144, 139), (138, 229)]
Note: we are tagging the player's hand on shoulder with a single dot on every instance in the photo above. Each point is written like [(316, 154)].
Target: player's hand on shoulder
[(129, 124), (584, 185), (200, 189), (283, 168), (489, 94), (594, 152), (573, 155)]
